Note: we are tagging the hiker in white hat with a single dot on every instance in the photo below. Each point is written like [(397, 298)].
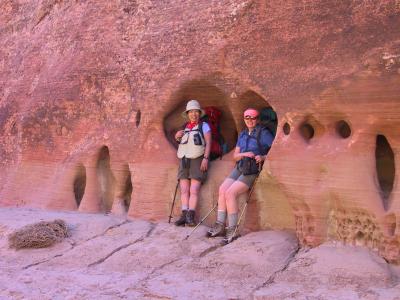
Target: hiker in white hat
[(193, 153)]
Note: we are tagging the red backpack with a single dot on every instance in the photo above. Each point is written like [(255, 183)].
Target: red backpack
[(213, 118)]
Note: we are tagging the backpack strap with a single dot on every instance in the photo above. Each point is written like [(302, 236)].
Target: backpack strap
[(258, 138), (247, 139), (201, 129)]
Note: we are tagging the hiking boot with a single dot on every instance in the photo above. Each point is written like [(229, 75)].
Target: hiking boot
[(230, 235), (190, 218), (217, 230), (182, 220)]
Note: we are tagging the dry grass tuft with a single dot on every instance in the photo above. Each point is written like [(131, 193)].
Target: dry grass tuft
[(39, 235)]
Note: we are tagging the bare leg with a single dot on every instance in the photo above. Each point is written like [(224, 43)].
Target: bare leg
[(194, 193), (219, 227), (184, 185), (221, 193), (231, 195)]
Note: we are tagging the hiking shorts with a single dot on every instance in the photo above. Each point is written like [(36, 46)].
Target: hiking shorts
[(246, 179), (192, 171)]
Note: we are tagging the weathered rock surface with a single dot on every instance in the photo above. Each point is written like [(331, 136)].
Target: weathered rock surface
[(107, 257), (334, 271), (90, 92)]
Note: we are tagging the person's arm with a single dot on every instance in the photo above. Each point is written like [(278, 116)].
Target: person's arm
[(206, 158), (266, 140), (207, 137), (260, 158), (238, 156), (178, 135)]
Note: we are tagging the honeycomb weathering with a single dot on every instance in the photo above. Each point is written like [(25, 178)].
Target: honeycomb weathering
[(78, 76)]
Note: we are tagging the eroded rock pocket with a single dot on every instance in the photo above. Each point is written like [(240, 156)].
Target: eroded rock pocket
[(106, 179), (79, 184), (212, 98), (385, 168)]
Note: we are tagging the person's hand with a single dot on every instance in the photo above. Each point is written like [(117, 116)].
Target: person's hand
[(179, 135), (248, 154), (259, 158), (204, 165)]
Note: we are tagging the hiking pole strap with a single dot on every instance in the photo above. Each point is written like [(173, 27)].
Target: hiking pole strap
[(201, 221), (173, 202)]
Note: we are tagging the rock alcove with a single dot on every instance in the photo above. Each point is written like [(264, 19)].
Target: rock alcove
[(209, 94)]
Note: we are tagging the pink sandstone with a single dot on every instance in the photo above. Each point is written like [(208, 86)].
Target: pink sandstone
[(90, 92)]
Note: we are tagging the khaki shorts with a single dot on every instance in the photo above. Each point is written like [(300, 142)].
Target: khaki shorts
[(192, 171), (246, 179)]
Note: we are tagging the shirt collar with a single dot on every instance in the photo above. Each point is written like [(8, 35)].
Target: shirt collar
[(254, 130)]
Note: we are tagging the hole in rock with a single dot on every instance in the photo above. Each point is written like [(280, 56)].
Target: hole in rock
[(79, 184), (343, 129), (359, 237), (231, 121), (286, 128), (138, 117), (307, 131), (385, 168), (105, 178), (128, 192), (208, 95), (268, 117)]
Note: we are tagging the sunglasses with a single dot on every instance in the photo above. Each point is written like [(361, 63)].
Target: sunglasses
[(250, 118)]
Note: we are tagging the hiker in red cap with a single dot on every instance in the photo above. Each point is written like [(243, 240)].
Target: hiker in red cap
[(193, 153), (251, 150)]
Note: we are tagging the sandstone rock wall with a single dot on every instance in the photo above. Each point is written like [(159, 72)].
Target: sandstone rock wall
[(90, 92)]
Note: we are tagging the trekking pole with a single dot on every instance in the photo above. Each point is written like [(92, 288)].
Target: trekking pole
[(201, 221), (248, 198), (173, 203)]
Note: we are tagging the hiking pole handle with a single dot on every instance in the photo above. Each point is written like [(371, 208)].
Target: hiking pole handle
[(173, 203), (201, 221)]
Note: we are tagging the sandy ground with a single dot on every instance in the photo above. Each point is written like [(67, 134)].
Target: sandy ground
[(108, 257)]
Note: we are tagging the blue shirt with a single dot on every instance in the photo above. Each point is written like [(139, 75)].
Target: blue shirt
[(248, 142), (206, 127)]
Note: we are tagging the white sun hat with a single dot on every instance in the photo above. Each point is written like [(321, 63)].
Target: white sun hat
[(191, 105)]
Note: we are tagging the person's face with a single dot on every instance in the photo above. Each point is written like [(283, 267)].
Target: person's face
[(250, 122), (194, 115)]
